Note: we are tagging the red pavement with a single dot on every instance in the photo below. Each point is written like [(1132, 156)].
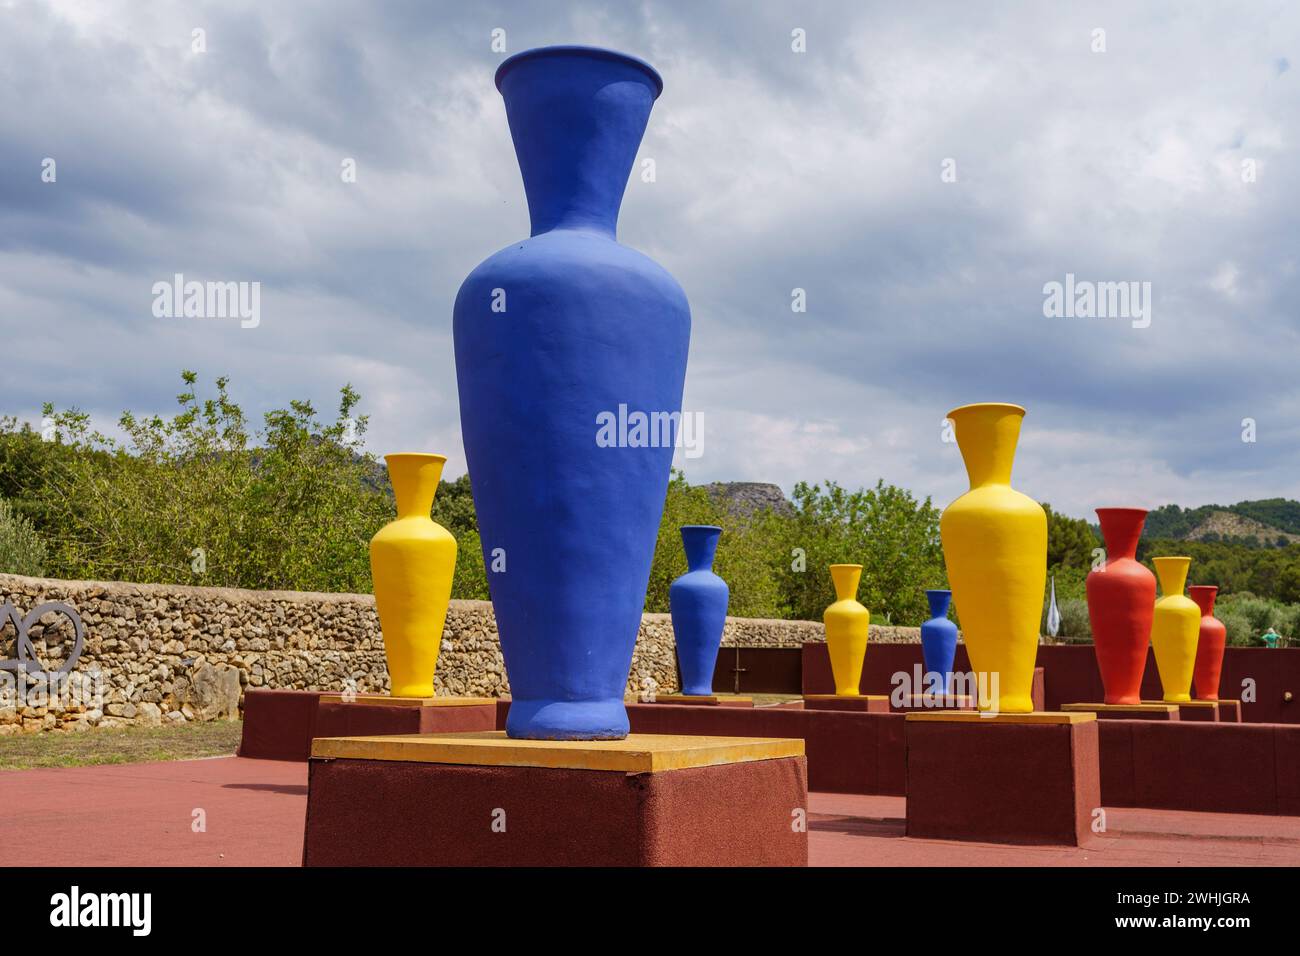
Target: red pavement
[(142, 815)]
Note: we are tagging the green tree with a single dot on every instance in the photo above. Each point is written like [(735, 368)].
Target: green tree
[(21, 549)]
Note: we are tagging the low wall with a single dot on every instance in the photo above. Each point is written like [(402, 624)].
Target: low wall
[(171, 652), (1266, 681)]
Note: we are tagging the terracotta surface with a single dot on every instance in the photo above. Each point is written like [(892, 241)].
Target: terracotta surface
[(140, 814), (1018, 778), (386, 813)]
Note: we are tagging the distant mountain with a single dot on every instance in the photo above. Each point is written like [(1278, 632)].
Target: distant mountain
[(746, 497), (1269, 523)]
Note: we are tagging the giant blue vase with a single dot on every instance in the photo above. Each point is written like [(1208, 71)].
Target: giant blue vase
[(698, 601), (938, 643), (570, 362)]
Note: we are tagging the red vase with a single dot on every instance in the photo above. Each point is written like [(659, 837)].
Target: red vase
[(1121, 599), (1209, 646)]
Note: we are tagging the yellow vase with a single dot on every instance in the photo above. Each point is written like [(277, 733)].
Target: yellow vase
[(995, 546), (1175, 628), (412, 561), (847, 625)]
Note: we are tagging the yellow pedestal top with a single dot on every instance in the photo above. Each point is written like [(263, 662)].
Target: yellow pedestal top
[(846, 697), (1184, 703), (636, 753), (1143, 708), (974, 716), (386, 701)]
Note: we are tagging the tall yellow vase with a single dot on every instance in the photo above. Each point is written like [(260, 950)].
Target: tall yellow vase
[(847, 625), (995, 546), (1175, 628), (412, 561)]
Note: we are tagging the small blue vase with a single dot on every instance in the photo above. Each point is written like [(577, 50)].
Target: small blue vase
[(938, 644), (698, 601), (570, 362)]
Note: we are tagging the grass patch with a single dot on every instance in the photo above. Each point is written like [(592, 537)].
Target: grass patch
[(120, 745)]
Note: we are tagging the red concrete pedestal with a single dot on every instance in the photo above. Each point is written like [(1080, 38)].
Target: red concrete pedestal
[(1229, 711), (1126, 711), (932, 702), (1011, 778), (375, 714), (485, 800), (278, 724), (1202, 710), (861, 703)]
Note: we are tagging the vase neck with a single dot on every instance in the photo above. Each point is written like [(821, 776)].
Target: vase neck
[(846, 577), (939, 601), (1121, 528), (576, 117), (701, 543), (1172, 573), (1204, 595), (987, 435), (415, 480)]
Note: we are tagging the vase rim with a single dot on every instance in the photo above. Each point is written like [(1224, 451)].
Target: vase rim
[(847, 566), (701, 527), (1202, 587), (1124, 510), (410, 455), (938, 590), (574, 49), (1172, 557), (1003, 406)]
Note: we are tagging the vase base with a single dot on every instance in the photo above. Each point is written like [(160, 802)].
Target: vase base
[(1204, 710), (385, 700), (1125, 711), (567, 719)]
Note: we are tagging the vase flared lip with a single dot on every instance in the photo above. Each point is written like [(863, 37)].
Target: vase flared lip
[(1204, 588), (938, 590), (595, 52), (1172, 557), (858, 566), (409, 455), (1003, 406), (701, 527), (1124, 510)]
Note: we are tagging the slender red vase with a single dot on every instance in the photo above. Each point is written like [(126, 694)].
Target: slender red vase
[(1209, 646), (1121, 599)]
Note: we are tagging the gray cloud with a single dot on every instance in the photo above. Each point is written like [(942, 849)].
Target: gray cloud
[(775, 170)]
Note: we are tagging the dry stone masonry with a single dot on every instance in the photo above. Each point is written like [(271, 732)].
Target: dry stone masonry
[(161, 653)]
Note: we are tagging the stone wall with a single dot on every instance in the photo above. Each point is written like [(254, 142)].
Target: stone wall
[(156, 653)]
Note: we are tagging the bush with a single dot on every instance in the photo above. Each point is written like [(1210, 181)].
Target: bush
[(21, 549), (1075, 624)]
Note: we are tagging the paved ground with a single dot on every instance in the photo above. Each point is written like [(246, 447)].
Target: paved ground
[(145, 814)]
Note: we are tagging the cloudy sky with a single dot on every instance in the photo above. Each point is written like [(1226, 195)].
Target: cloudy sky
[(1154, 145)]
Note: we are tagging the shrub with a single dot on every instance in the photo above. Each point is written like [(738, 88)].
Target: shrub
[(21, 549)]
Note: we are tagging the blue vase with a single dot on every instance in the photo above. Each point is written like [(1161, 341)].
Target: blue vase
[(698, 601), (938, 644), (570, 362)]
